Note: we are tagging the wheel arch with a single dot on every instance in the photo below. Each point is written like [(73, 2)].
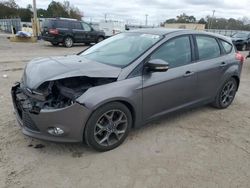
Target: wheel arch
[(68, 35), (128, 104), (236, 77)]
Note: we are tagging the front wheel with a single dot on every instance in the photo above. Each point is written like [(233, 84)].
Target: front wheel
[(108, 126), (100, 39), (226, 94)]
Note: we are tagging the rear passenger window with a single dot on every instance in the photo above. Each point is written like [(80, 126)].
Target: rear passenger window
[(61, 24), (208, 47), (76, 25), (227, 46)]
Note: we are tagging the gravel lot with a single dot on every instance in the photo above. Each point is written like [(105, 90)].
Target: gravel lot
[(203, 147)]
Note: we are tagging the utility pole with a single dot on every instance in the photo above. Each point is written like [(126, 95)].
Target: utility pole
[(105, 17), (211, 21), (146, 19), (34, 19)]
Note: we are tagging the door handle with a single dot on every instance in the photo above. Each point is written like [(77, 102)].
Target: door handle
[(223, 64), (188, 73)]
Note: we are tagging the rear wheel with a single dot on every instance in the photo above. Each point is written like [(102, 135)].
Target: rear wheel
[(68, 42), (226, 94), (108, 126)]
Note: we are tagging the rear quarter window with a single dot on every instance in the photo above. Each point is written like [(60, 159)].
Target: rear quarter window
[(48, 23), (227, 46)]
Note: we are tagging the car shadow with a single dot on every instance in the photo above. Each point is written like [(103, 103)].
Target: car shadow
[(77, 150)]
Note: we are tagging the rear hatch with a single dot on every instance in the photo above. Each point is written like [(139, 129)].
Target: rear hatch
[(46, 26)]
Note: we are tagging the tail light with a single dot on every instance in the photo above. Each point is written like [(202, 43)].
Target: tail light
[(240, 57), (54, 31)]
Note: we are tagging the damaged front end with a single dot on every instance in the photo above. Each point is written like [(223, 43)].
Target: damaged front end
[(56, 94), (45, 108)]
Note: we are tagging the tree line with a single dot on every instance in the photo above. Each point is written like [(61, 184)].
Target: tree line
[(10, 9), (212, 22)]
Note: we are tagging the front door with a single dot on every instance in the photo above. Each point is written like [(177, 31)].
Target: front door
[(78, 31), (167, 91)]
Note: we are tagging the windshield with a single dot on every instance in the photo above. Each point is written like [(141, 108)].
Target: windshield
[(120, 50), (240, 35)]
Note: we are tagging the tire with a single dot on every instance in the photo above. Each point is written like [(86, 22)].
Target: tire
[(244, 47), (55, 43), (100, 39), (87, 43), (225, 96), (108, 126), (68, 42)]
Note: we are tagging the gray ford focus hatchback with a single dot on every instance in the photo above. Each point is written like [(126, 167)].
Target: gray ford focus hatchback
[(124, 82)]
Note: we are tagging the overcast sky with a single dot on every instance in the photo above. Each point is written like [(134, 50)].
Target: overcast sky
[(134, 11)]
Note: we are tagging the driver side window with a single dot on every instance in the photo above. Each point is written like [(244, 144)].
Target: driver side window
[(177, 52), (86, 27)]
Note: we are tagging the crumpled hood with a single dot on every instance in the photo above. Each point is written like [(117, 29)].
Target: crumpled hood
[(41, 70)]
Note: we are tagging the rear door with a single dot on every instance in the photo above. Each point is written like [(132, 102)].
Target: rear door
[(212, 62), (46, 25)]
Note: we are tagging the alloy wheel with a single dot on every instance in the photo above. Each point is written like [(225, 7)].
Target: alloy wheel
[(228, 93), (68, 42), (110, 127)]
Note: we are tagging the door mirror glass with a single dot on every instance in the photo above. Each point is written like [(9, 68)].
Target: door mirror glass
[(157, 65)]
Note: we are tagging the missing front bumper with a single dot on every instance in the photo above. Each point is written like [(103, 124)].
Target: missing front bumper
[(71, 120)]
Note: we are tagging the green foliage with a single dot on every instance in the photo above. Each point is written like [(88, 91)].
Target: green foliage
[(9, 9), (213, 23)]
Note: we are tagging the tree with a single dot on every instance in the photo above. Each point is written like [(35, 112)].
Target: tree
[(25, 14), (172, 20), (202, 21), (183, 18), (56, 9)]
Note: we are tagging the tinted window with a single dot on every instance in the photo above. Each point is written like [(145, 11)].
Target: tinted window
[(208, 47), (61, 24), (86, 27), (227, 46), (76, 25), (177, 52)]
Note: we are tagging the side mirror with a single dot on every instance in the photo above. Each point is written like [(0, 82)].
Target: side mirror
[(157, 65)]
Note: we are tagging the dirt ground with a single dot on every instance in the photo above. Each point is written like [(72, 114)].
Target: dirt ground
[(203, 147)]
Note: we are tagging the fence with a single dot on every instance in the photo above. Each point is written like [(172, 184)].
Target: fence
[(6, 25), (224, 32)]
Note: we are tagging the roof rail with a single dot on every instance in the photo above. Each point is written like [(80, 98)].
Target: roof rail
[(70, 19)]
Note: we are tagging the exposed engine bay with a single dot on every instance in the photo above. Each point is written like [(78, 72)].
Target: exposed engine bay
[(55, 94)]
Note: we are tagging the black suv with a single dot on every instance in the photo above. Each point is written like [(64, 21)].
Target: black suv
[(241, 40), (69, 31)]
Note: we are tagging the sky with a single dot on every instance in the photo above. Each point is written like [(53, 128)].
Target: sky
[(134, 11)]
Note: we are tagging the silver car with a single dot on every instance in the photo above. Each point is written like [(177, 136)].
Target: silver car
[(124, 82)]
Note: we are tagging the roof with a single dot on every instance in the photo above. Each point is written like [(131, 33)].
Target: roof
[(165, 31), (155, 31)]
